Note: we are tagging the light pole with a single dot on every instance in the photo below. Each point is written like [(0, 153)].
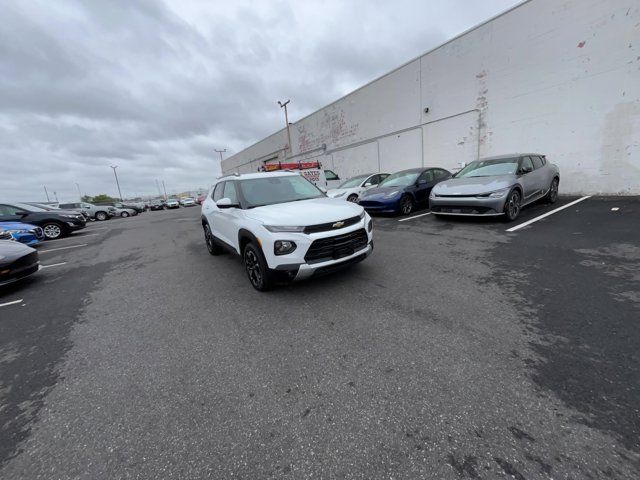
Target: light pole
[(286, 119), (79, 194), (46, 193), (221, 152), (165, 190), (117, 183)]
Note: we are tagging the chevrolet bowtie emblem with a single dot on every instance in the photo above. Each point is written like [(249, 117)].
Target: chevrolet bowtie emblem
[(337, 225)]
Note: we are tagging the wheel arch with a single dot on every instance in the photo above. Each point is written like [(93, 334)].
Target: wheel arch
[(244, 237)]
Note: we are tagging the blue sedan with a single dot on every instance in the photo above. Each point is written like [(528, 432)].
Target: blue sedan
[(403, 191), (23, 232)]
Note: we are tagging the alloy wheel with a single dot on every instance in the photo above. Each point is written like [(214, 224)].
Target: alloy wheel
[(553, 194), (352, 198), (253, 267), (208, 238), (52, 231), (406, 206), (513, 205)]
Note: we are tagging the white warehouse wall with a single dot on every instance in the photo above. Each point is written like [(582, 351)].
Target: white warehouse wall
[(559, 77)]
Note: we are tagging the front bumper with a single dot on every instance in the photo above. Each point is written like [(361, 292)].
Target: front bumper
[(381, 205), (76, 224), (467, 206)]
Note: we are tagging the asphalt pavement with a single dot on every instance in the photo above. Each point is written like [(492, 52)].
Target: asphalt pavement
[(457, 350)]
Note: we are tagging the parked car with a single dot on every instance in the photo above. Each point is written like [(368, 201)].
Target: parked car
[(57, 208), (23, 232), (172, 203), (352, 189), (97, 212), (187, 202), (156, 205), (55, 224), (123, 206), (402, 192), (17, 261), (126, 212), (284, 227), (497, 186)]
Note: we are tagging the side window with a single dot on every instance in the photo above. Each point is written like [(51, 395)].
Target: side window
[(382, 176), (526, 165), (373, 180), (428, 176), (8, 210), (4, 210), (230, 192), (537, 162), (331, 175), (217, 192)]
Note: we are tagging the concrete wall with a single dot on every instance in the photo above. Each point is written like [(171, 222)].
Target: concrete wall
[(560, 77)]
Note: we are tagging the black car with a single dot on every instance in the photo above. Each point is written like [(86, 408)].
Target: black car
[(54, 223), (57, 209), (17, 261), (156, 205)]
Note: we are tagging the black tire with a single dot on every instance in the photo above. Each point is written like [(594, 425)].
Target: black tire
[(512, 205), (53, 230), (214, 249), (352, 198), (406, 205), (124, 214), (102, 216), (552, 194), (256, 267)]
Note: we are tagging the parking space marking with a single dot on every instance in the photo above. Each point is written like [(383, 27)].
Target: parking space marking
[(72, 237), (63, 248), (10, 303), (415, 216), (98, 228), (533, 220), (53, 265)]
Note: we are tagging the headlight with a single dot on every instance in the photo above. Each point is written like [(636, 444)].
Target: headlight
[(17, 231), (392, 194), (498, 193), (362, 215), (275, 228), (341, 194), (282, 247)]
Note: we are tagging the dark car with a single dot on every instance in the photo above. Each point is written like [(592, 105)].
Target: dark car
[(58, 208), (17, 261), (54, 223), (402, 192), (156, 205), (123, 206)]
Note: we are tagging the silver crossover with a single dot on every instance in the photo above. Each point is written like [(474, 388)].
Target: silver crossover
[(497, 186)]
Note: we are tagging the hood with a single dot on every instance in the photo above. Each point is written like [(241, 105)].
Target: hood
[(16, 226), (474, 185), (334, 192), (10, 250), (305, 212), (376, 191)]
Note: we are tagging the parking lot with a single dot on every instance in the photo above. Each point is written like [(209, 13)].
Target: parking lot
[(458, 349)]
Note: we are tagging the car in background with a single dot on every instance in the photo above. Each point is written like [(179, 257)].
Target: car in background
[(54, 223), (187, 202), (172, 203), (23, 232), (352, 189), (156, 205), (284, 227), (17, 261), (126, 212), (402, 192), (497, 186), (96, 212), (57, 208)]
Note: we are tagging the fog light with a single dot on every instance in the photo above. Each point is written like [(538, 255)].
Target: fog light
[(282, 247)]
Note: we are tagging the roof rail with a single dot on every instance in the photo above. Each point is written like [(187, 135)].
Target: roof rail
[(234, 174)]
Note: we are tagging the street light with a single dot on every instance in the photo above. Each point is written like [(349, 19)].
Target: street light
[(221, 152), (117, 183), (79, 194), (286, 119)]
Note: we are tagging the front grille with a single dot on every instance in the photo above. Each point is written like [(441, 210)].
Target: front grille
[(325, 227), (340, 246), (5, 235), (38, 233)]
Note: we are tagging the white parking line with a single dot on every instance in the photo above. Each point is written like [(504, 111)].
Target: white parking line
[(64, 248), (10, 303), (533, 220), (415, 216), (53, 265), (98, 228), (72, 237)]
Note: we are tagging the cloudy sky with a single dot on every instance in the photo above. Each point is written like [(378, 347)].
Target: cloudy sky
[(155, 86)]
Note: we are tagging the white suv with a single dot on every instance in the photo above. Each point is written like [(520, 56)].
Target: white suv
[(283, 226)]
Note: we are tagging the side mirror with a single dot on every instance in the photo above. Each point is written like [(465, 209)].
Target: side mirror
[(22, 213), (524, 170), (368, 184), (226, 203)]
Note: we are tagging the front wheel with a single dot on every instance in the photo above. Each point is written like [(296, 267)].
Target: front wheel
[(101, 216), (124, 214), (352, 198), (52, 230), (406, 205), (256, 267), (552, 195), (512, 205)]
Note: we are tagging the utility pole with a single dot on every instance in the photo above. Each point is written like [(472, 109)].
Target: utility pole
[(46, 193), (221, 152), (117, 183), (158, 185), (79, 194), (286, 119), (55, 194), (165, 190)]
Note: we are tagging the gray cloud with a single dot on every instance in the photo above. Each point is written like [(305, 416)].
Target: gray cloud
[(154, 87)]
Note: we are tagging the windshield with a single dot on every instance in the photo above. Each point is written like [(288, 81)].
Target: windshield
[(401, 179), (354, 182), (29, 208), (489, 168), (281, 189)]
